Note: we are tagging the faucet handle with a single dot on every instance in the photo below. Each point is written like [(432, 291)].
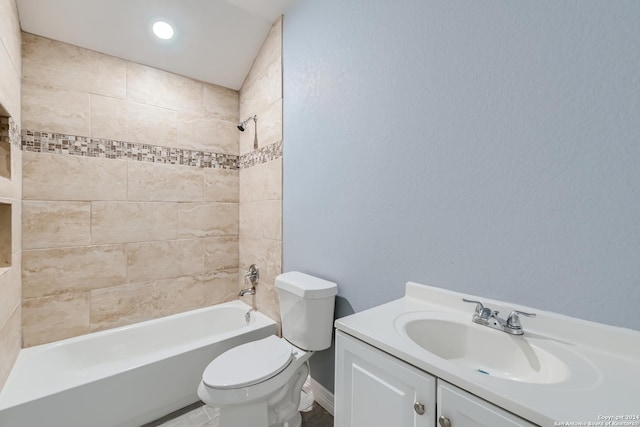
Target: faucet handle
[(513, 321), (252, 275), (479, 305), (481, 311)]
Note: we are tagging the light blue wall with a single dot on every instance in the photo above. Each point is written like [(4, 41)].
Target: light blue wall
[(489, 147)]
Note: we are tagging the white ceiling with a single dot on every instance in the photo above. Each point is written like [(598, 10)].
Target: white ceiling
[(215, 41)]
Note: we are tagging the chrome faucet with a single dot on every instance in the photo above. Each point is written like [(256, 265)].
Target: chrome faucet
[(486, 317), (252, 276), (250, 291)]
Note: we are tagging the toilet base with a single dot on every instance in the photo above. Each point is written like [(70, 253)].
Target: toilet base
[(280, 409), (240, 416), (295, 421)]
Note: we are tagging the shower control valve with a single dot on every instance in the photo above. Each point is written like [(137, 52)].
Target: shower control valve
[(252, 276)]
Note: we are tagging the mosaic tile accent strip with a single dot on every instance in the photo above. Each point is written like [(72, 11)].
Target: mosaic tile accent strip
[(46, 142), (261, 155)]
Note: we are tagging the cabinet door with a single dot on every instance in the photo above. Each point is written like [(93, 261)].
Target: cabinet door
[(374, 389), (466, 410)]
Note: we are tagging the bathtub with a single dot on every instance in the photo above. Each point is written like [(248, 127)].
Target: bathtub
[(127, 376)]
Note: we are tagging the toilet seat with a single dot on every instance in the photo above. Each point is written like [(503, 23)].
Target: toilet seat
[(249, 363)]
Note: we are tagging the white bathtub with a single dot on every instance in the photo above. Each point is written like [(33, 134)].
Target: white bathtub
[(126, 376)]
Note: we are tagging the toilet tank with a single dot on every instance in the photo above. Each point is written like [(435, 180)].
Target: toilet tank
[(306, 309)]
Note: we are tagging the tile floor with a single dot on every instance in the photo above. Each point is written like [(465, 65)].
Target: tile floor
[(317, 417), (198, 415)]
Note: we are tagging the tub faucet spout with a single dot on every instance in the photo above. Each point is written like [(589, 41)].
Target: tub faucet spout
[(250, 291)]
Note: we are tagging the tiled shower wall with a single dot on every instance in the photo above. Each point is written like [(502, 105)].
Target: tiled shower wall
[(131, 192), (10, 188), (261, 172)]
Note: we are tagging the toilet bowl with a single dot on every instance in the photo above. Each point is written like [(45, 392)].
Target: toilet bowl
[(258, 384), (262, 379)]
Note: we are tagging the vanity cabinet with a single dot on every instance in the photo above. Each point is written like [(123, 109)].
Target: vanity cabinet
[(457, 408), (375, 389)]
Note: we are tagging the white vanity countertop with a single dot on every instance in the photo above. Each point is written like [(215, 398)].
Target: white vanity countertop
[(604, 361)]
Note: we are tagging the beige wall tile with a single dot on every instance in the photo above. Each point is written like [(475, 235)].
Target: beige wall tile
[(221, 103), (16, 172), (207, 219), (261, 219), (247, 138), (10, 285), (266, 254), (5, 161), (265, 300), (5, 234), (165, 182), (48, 224), (10, 35), (221, 185), (49, 109), (270, 52), (261, 182), (262, 88), (63, 270), (269, 129), (261, 93), (10, 81), (219, 286), (132, 122), (10, 343), (9, 86), (261, 185), (118, 222), (207, 134), (59, 177), (160, 260), (10, 289), (54, 318), (127, 304), (6, 190), (221, 253), (151, 86), (16, 226), (70, 67), (272, 46)]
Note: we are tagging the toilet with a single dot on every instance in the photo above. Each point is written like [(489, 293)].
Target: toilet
[(258, 384)]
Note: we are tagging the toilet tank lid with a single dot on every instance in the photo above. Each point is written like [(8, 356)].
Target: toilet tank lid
[(306, 286)]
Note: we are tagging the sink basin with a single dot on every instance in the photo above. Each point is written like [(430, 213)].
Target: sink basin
[(482, 349)]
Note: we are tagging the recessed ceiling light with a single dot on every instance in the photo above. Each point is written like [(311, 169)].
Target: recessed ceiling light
[(163, 30)]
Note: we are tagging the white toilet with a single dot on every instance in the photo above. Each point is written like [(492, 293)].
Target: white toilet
[(258, 384)]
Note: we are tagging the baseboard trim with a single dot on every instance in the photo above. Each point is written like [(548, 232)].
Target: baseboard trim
[(321, 395)]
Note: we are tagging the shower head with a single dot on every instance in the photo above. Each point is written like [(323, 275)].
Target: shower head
[(243, 125)]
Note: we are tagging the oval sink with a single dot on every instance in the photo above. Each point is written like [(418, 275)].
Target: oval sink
[(484, 350)]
